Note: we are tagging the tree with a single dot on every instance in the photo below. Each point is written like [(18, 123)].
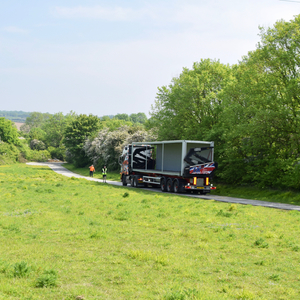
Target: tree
[(261, 112), (107, 146), (54, 128), (76, 133), (114, 124), (36, 133), (124, 117), (36, 119), (190, 105), (8, 132), (138, 118)]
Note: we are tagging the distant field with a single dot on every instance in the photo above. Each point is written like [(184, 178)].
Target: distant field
[(64, 237), (18, 125)]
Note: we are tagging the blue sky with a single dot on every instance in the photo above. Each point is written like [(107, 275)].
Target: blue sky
[(109, 57)]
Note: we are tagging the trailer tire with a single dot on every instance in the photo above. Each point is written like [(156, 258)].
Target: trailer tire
[(176, 186), (163, 185), (169, 185), (124, 183)]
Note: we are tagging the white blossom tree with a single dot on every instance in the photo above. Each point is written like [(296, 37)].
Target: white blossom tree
[(107, 146)]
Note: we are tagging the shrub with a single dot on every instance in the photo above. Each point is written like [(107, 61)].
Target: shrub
[(59, 153), (37, 145), (260, 243), (9, 153), (47, 279), (21, 269), (36, 155)]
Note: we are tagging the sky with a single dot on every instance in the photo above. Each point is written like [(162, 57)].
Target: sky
[(109, 57)]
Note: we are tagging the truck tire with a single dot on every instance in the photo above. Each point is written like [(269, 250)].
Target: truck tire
[(169, 185), (163, 185), (135, 181), (124, 183), (131, 181), (176, 186)]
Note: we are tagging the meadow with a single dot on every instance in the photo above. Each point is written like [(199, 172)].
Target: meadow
[(68, 238), (238, 191)]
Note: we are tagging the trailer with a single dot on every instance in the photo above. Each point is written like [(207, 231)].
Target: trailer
[(174, 166)]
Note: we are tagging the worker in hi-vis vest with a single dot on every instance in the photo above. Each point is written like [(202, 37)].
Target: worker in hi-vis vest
[(92, 170), (104, 171)]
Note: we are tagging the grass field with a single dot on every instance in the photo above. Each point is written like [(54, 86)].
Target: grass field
[(62, 238), (246, 192), (111, 175)]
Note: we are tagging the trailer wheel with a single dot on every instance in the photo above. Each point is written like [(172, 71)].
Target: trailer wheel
[(169, 185), (176, 186), (124, 180), (163, 186)]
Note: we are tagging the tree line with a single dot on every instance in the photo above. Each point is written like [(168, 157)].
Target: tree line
[(251, 110), (75, 138)]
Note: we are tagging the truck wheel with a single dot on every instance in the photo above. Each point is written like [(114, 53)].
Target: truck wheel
[(163, 185), (124, 180), (135, 181), (132, 181), (176, 186), (169, 185)]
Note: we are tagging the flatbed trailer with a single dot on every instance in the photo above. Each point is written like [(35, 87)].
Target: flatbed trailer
[(174, 166)]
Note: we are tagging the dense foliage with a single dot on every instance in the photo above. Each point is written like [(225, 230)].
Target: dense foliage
[(107, 146), (76, 133), (8, 132), (251, 110)]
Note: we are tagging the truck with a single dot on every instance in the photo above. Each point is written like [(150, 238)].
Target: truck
[(174, 166)]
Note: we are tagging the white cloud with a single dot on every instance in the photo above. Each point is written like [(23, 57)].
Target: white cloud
[(14, 29)]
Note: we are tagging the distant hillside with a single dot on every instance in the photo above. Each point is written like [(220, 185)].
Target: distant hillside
[(15, 116)]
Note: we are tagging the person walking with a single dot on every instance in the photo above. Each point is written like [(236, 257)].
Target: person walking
[(104, 171), (92, 170)]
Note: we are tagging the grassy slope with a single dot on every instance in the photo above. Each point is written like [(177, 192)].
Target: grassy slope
[(254, 193), (108, 242)]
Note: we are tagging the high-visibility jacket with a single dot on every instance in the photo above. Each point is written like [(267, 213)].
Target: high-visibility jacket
[(92, 169), (104, 170)]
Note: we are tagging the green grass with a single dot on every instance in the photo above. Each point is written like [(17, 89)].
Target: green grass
[(246, 192), (255, 193), (65, 237), (111, 175)]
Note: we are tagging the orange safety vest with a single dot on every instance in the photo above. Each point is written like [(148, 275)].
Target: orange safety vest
[(92, 168)]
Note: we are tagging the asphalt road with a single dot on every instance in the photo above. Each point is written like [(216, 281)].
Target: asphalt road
[(58, 168)]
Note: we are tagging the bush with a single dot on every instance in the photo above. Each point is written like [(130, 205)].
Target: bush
[(9, 153), (47, 279), (59, 153), (21, 269), (37, 145), (36, 155)]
